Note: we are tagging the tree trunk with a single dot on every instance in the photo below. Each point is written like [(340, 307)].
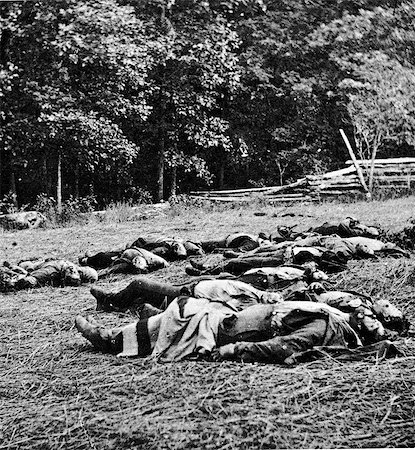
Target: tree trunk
[(13, 189), (5, 35), (76, 179), (4, 57), (1, 170), (160, 171), (280, 171), (45, 174), (173, 182), (59, 183), (118, 184), (221, 176)]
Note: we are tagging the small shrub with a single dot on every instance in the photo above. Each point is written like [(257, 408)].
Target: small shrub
[(118, 212), (8, 204), (75, 208), (383, 193), (186, 201), (138, 196), (72, 208)]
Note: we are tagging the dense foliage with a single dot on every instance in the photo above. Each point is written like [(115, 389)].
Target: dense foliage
[(114, 98)]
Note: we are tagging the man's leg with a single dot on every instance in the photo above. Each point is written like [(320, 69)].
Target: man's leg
[(239, 266), (116, 267), (141, 290), (134, 339), (103, 339), (283, 349), (99, 261), (234, 266), (210, 246)]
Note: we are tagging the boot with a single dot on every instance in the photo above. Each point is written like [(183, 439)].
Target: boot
[(83, 261), (192, 271), (197, 265), (103, 299), (231, 254), (97, 335), (147, 311)]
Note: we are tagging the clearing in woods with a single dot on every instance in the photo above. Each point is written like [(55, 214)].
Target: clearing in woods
[(57, 393)]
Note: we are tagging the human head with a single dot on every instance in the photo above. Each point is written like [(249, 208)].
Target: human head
[(319, 275), (71, 275), (364, 251), (391, 316), (352, 221), (87, 274), (313, 273), (139, 262), (312, 265), (271, 297), (6, 281), (367, 325), (178, 250)]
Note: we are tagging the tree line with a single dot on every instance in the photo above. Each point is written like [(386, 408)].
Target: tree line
[(131, 99)]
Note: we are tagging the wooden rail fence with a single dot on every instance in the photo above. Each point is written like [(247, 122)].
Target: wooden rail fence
[(388, 174)]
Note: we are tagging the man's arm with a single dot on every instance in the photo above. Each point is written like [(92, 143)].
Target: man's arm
[(279, 348)]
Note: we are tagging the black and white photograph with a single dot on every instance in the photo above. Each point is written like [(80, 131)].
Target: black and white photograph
[(207, 224)]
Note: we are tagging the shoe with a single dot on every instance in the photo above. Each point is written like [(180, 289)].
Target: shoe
[(231, 254), (192, 271), (197, 265), (103, 299), (96, 334)]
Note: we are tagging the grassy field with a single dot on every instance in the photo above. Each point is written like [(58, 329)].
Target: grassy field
[(57, 393)]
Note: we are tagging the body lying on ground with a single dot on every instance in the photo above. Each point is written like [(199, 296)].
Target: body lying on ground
[(150, 297), (143, 291), (350, 227), (201, 328), (131, 260), (343, 248), (54, 272), (254, 286), (331, 253), (239, 242), (292, 254), (242, 242), (170, 249)]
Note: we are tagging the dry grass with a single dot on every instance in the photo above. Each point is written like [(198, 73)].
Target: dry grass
[(57, 393)]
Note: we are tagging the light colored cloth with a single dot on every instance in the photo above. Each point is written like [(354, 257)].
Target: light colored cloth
[(288, 306), (282, 272), (340, 298), (338, 320), (130, 342), (153, 261), (189, 326), (229, 290), (373, 244)]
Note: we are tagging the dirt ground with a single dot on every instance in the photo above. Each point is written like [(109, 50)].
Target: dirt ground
[(56, 392)]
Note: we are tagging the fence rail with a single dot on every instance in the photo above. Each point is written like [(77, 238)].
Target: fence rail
[(388, 173)]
